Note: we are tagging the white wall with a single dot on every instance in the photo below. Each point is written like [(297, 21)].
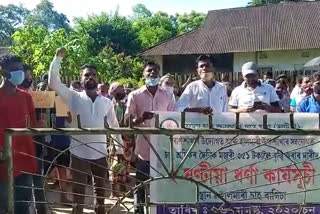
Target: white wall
[(278, 60)]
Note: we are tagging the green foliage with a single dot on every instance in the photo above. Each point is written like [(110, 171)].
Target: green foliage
[(187, 22), (37, 46), (107, 40), (11, 17), (140, 11), (154, 29), (45, 16), (266, 2), (113, 30), (113, 66)]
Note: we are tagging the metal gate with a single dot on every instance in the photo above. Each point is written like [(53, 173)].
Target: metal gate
[(124, 203)]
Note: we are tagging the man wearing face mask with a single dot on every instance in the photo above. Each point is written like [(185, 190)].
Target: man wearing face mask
[(205, 95), (141, 103), (27, 82), (311, 103), (167, 82), (253, 95), (94, 111), (15, 105)]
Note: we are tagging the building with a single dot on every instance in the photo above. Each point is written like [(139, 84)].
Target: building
[(279, 37)]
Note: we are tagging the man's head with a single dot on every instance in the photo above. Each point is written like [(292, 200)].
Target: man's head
[(117, 91), (205, 68), (151, 73), (128, 88), (89, 77), (267, 75), (281, 88), (103, 89), (250, 74), (306, 85), (316, 83), (11, 68), (167, 82), (282, 77), (27, 82)]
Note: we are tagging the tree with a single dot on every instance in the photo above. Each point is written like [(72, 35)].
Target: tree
[(113, 66), (11, 18), (266, 2), (37, 46), (154, 29), (45, 16), (140, 11), (187, 22), (113, 30)]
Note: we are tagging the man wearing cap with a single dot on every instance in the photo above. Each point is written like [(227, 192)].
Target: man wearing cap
[(205, 95), (253, 95)]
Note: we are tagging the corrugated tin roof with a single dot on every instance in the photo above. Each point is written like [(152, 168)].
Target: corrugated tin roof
[(284, 26)]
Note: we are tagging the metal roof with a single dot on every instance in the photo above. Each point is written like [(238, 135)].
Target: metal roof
[(284, 26)]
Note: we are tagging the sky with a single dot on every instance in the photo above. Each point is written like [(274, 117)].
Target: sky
[(82, 8)]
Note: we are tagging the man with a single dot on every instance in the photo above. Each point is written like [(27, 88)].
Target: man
[(41, 122), (15, 105), (26, 85), (266, 76), (282, 77), (141, 103), (205, 95), (167, 82), (253, 95), (88, 151), (42, 86), (311, 103), (103, 89)]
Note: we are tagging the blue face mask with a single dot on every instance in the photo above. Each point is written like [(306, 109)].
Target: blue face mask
[(17, 77), (152, 81)]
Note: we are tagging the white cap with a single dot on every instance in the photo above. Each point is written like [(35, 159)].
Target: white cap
[(249, 68)]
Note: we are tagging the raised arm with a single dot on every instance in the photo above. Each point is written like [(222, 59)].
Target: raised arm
[(54, 77)]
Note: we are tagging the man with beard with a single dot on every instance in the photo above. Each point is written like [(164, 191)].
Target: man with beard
[(88, 152), (205, 95), (27, 82), (311, 103), (253, 95)]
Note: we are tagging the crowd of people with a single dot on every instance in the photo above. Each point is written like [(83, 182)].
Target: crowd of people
[(114, 105)]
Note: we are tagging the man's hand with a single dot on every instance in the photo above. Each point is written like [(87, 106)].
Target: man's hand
[(206, 110), (266, 107), (147, 115), (245, 109), (61, 52)]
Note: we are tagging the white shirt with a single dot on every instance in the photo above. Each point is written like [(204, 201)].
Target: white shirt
[(198, 95), (243, 96), (92, 115)]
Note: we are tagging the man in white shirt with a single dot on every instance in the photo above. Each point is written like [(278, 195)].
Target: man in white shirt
[(253, 95), (88, 151), (205, 95)]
